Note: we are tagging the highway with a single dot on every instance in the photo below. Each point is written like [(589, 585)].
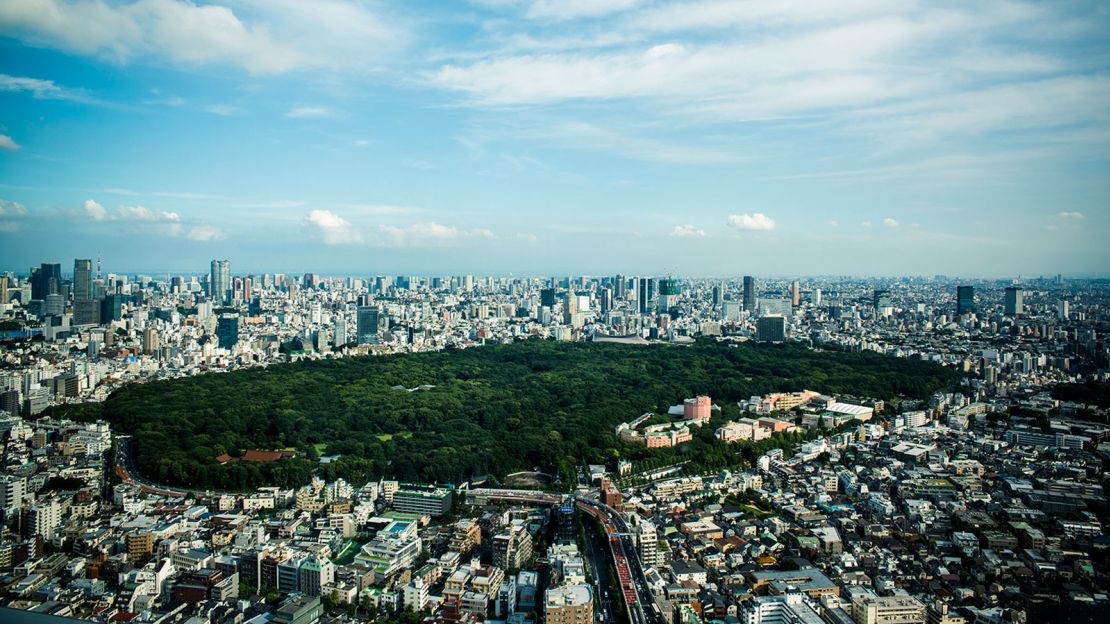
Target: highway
[(642, 608)]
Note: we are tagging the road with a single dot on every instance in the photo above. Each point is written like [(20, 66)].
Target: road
[(642, 608), (125, 468)]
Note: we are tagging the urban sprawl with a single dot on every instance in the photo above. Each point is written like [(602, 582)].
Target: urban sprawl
[(983, 504)]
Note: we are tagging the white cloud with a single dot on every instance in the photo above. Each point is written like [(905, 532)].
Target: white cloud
[(890, 223), (1074, 216), (142, 213), (573, 9), (94, 210), (756, 221), (866, 224), (263, 37), (429, 234), (10, 208), (205, 233), (309, 112), (7, 144), (687, 230), (39, 89), (334, 229)]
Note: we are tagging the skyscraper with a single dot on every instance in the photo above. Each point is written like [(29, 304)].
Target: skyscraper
[(82, 280), (771, 328), (219, 281), (46, 280), (227, 330), (749, 293), (643, 295), (547, 297), (340, 337), (965, 300), (1014, 301), (795, 293), (367, 321)]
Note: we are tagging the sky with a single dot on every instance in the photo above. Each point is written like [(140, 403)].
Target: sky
[(696, 137)]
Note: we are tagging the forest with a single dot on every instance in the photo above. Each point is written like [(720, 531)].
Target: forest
[(493, 410)]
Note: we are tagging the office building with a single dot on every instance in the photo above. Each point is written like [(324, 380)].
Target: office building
[(795, 293), (46, 280), (965, 300), (569, 604), (668, 294), (367, 324), (151, 341), (790, 608), (298, 609), (219, 281), (547, 297), (340, 337), (868, 609), (749, 293), (1014, 301), (82, 280), (512, 548), (86, 312), (422, 499), (647, 539), (771, 328), (227, 331), (111, 308)]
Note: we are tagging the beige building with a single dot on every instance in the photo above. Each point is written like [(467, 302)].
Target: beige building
[(570, 604), (887, 610)]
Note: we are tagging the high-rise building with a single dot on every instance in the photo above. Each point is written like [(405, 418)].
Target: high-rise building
[(643, 294), (1014, 301), (367, 325), (749, 293), (46, 280), (771, 328), (965, 300), (620, 287), (547, 297), (219, 281), (82, 280), (340, 337), (647, 539), (86, 312), (111, 308), (151, 341), (227, 330), (795, 293)]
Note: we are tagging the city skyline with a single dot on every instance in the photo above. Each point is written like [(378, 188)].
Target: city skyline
[(703, 138)]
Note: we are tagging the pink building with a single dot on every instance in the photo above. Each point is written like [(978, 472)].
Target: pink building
[(697, 409)]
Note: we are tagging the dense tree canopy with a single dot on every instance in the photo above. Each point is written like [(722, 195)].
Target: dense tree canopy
[(494, 410)]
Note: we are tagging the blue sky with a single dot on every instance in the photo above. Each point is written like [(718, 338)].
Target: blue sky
[(705, 137)]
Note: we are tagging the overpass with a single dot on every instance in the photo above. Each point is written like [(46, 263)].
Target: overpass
[(481, 496)]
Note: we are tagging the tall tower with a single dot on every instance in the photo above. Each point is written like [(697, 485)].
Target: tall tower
[(219, 281), (1014, 301), (367, 324), (82, 280), (749, 293), (795, 293), (965, 300)]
